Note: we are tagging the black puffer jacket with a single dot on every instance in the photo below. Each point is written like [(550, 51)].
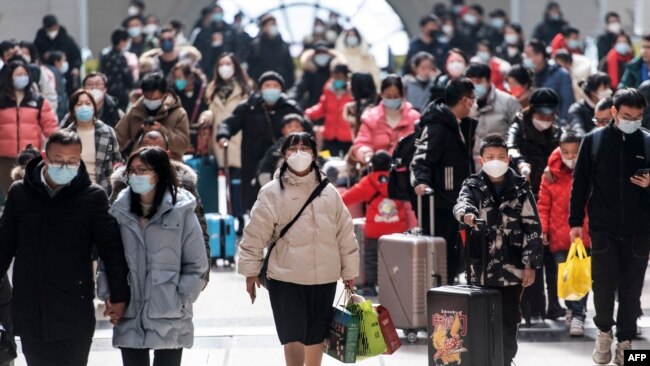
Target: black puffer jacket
[(260, 127), (580, 117), (528, 145), (515, 232), (443, 159), (51, 240)]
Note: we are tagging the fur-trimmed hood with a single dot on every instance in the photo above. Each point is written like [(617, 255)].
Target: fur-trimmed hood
[(186, 176)]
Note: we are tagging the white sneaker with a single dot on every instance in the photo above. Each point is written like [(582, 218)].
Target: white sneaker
[(603, 349), (577, 328), (619, 359)]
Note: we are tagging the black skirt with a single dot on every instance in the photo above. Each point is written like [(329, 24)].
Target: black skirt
[(302, 313)]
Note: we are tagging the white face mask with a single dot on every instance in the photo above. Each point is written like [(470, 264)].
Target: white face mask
[(226, 71), (300, 161), (473, 111), (542, 125), (133, 10), (495, 168), (455, 68), (52, 34), (614, 27), (97, 94), (570, 163), (629, 126), (448, 29), (604, 94)]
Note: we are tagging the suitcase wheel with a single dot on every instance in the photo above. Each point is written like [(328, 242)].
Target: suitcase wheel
[(411, 335)]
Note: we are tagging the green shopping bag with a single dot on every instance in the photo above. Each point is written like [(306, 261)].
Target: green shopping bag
[(371, 341), (344, 333)]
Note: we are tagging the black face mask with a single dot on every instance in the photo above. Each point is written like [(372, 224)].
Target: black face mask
[(433, 34)]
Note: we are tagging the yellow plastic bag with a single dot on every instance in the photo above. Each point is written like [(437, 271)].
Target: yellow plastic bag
[(574, 275)]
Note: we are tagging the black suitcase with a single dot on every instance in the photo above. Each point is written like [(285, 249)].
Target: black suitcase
[(465, 322)]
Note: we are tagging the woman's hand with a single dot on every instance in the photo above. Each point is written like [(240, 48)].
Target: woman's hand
[(349, 283), (251, 282)]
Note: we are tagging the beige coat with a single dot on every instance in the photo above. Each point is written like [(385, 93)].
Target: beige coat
[(217, 113), (319, 248), (173, 123), (359, 59)]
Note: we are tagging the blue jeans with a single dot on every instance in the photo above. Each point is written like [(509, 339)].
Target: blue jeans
[(578, 308)]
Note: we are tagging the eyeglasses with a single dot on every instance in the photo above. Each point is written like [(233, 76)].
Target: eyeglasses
[(139, 171), (61, 165), (601, 121), (294, 149)]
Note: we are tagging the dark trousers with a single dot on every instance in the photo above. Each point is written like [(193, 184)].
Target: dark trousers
[(161, 357), (511, 313), (446, 226), (370, 262), (550, 273), (533, 301), (618, 263), (69, 352), (336, 147)]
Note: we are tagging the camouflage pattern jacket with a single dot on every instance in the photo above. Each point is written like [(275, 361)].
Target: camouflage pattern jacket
[(514, 236)]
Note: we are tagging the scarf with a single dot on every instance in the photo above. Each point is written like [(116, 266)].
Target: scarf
[(613, 60), (225, 89)]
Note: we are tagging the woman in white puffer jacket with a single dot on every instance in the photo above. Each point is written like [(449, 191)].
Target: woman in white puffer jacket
[(317, 251)]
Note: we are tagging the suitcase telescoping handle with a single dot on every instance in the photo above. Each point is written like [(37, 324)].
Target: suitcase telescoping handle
[(226, 173), (482, 228), (432, 226)]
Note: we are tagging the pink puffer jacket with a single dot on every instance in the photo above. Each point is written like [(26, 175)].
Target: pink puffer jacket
[(20, 126)]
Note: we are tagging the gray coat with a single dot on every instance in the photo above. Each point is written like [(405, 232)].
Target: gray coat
[(167, 262)]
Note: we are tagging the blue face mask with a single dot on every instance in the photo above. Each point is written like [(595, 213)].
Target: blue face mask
[(180, 84), (140, 184), (528, 63), (339, 84), (61, 175), (573, 43), (84, 113), (622, 48), (21, 82), (271, 96), (167, 45), (217, 17), (134, 32), (393, 103), (480, 90)]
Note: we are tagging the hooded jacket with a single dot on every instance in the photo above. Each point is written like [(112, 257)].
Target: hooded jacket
[(331, 106), (167, 263), (62, 42), (173, 121), (319, 248), (359, 58), (268, 53), (553, 205), (526, 144), (383, 215), (581, 114), (376, 134), (417, 92), (443, 155), (310, 86), (514, 238), (260, 128), (614, 204), (53, 272), (24, 124), (558, 79)]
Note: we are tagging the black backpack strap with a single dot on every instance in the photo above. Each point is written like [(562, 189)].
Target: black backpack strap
[(646, 144), (597, 137)]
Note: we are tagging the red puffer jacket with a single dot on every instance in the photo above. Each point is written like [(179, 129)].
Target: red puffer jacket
[(330, 106), (383, 216), (553, 205), (20, 126)]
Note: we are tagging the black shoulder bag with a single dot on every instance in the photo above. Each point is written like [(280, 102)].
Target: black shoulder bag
[(264, 281)]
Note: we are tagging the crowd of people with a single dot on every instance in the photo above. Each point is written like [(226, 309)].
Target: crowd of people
[(525, 132)]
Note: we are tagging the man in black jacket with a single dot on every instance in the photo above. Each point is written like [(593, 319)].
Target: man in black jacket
[(443, 160), (608, 181), (54, 37), (270, 52), (52, 219)]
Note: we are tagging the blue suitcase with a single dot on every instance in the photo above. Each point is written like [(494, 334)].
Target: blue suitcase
[(223, 238), (208, 172)]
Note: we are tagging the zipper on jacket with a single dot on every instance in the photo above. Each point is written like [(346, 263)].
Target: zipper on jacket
[(620, 191), (17, 128)]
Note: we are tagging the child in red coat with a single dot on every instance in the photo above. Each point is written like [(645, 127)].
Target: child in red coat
[(383, 215), (553, 209), (337, 133)]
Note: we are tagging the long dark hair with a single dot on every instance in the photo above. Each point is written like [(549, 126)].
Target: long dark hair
[(7, 90), (364, 92), (156, 159), (294, 139), (240, 76)]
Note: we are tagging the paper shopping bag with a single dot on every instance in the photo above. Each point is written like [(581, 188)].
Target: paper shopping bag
[(343, 339), (388, 330)]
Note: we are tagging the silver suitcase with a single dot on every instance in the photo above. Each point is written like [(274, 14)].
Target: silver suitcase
[(409, 265), (360, 233)]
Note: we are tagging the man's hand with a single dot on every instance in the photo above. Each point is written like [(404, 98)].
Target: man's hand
[(74, 72), (528, 277), (524, 170), (642, 181), (152, 127), (548, 175), (251, 282), (115, 311), (223, 142), (422, 189), (470, 220), (349, 283), (576, 232)]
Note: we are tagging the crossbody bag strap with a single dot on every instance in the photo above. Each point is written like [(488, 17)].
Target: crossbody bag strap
[(311, 198)]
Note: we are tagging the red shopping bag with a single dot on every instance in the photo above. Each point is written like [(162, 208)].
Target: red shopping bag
[(388, 330)]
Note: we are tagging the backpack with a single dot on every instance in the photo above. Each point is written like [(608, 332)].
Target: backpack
[(399, 176)]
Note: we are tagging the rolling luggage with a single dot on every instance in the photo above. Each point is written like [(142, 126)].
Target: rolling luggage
[(206, 168), (465, 324), (223, 238), (409, 265), (360, 234)]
